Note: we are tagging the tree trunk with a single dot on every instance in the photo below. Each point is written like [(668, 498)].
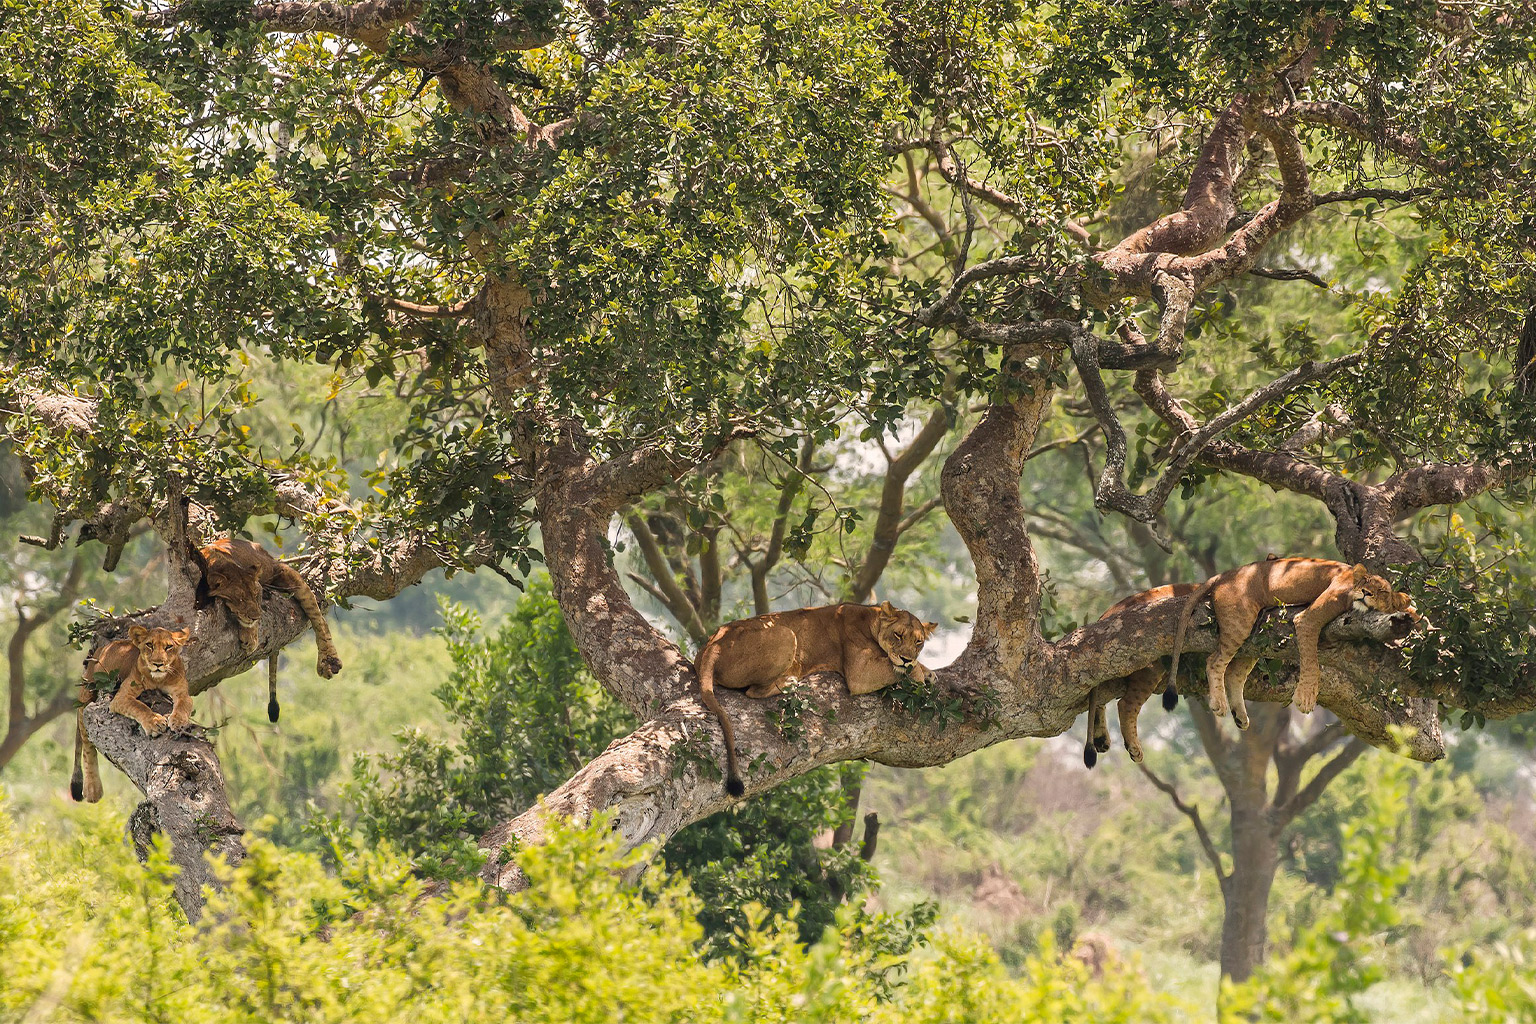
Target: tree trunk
[(1245, 925), (180, 778)]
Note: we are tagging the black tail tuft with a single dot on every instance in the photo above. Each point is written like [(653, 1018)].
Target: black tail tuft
[(272, 709), (1170, 699), (734, 787), (76, 790), (1090, 756)]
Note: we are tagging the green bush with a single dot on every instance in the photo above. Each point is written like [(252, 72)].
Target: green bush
[(88, 934)]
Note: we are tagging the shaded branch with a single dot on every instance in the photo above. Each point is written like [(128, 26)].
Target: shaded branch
[(1333, 114), (1295, 274)]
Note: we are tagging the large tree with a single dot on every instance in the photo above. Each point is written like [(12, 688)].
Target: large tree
[(593, 246)]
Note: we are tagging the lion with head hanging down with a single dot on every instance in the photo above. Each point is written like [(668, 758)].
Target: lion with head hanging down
[(237, 574)]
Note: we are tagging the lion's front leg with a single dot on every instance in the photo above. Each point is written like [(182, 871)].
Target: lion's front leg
[(1329, 605), (126, 702), (866, 674), (250, 636), (181, 706)]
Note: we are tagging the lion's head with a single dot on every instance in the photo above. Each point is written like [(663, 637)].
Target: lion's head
[(1374, 594), (159, 649), (901, 634), (238, 586)]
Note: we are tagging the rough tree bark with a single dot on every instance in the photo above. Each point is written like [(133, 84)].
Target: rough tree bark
[(663, 776)]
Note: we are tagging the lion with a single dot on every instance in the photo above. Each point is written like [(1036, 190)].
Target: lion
[(1327, 588), (871, 645), (149, 659), (235, 573), (1138, 686)]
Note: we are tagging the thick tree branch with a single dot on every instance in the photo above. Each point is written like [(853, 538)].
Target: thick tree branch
[(1208, 201), (1111, 493), (180, 778)]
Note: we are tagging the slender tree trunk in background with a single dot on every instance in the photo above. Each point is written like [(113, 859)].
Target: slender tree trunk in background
[(1255, 856), (1258, 820), (1242, 760)]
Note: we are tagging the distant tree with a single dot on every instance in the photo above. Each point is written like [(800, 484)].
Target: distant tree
[(596, 246)]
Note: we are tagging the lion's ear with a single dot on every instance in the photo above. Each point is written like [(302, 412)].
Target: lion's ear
[(929, 628), (886, 609), (182, 637), (1360, 569), (136, 634)]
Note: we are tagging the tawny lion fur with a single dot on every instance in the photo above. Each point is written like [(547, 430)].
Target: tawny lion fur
[(1137, 687), (1328, 589), (871, 645), (235, 572), (149, 659)]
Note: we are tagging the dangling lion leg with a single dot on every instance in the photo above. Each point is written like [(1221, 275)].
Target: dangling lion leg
[(1237, 674), (1097, 740), (1330, 604), (1234, 621), (1140, 686)]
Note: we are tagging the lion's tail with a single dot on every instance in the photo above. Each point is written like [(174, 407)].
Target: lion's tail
[(273, 708), (1178, 637), (77, 777), (327, 660), (706, 670), (85, 781)]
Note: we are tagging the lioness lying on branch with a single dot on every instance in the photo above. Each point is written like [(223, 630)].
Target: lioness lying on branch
[(1139, 685), (1328, 589), (872, 646)]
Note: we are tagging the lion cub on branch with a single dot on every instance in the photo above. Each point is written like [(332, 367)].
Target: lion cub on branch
[(150, 659), (1328, 589), (872, 646)]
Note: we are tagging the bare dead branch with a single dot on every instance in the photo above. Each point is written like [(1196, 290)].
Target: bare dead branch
[(888, 520), (666, 588), (1193, 814)]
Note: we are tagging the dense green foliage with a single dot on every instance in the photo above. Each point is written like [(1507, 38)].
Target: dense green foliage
[(526, 715), (227, 237), (87, 936)]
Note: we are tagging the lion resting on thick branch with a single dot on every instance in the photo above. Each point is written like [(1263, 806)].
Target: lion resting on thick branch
[(149, 659), (872, 646), (1328, 589)]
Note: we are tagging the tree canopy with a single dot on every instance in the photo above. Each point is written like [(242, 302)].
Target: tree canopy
[(599, 260)]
